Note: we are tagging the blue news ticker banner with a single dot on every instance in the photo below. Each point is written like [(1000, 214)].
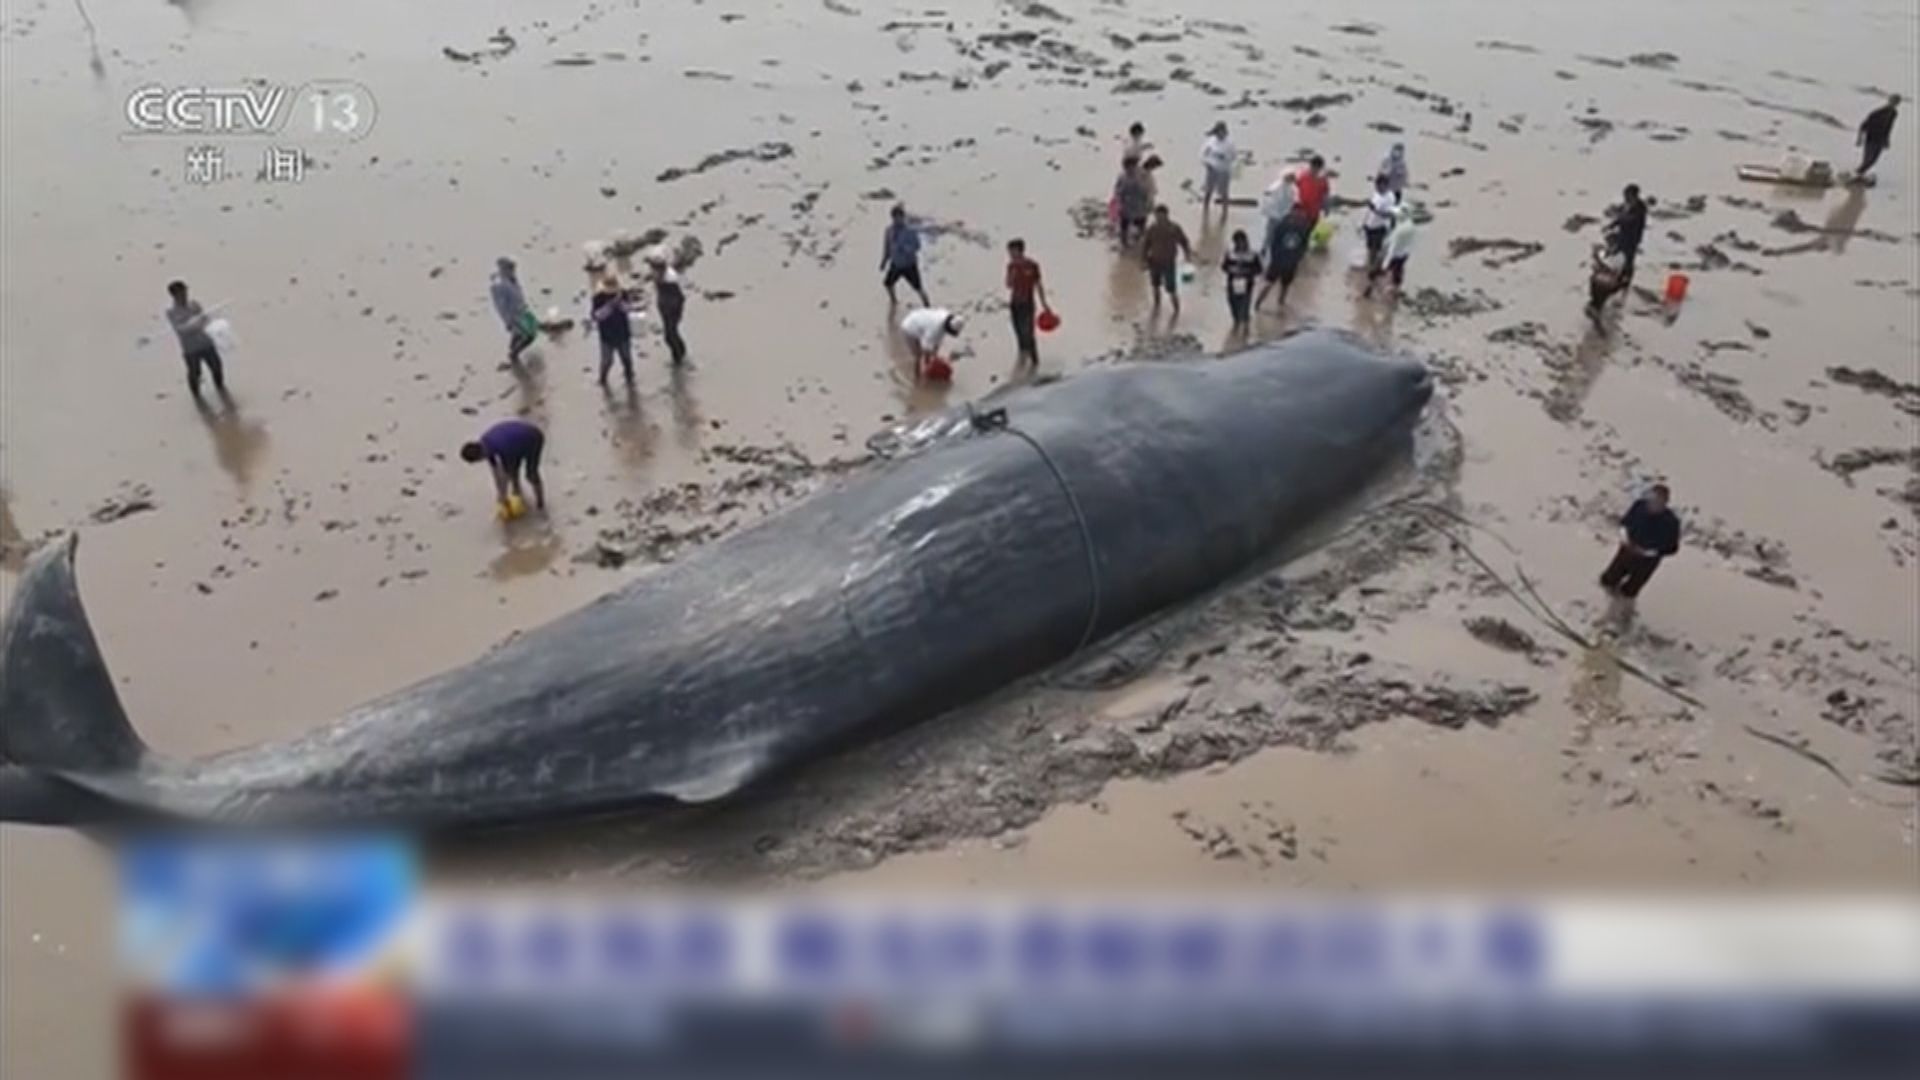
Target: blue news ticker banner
[(505, 947), (254, 957)]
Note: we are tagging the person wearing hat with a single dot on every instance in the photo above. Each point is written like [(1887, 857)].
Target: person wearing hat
[(926, 329), (670, 300), (510, 302), (614, 325), (1216, 156)]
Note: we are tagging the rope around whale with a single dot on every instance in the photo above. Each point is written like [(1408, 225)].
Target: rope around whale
[(996, 420)]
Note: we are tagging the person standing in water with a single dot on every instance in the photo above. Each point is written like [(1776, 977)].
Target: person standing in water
[(1162, 247), (1242, 267), (1394, 168), (1627, 231), (189, 322), (510, 303), (900, 256), (1132, 200), (1876, 134), (1276, 206), (1312, 189), (1286, 246), (1382, 209), (1140, 150), (670, 300), (1393, 256), (1024, 289), (613, 323), (1649, 532), (510, 448), (1607, 276), (1216, 158)]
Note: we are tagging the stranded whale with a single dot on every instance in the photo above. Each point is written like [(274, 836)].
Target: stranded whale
[(917, 586)]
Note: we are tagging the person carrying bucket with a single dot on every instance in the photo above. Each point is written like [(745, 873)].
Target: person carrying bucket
[(510, 303), (510, 448), (190, 324), (926, 329), (1024, 288)]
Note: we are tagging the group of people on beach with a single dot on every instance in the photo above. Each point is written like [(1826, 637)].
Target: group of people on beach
[(1292, 208), (927, 328), (1292, 211)]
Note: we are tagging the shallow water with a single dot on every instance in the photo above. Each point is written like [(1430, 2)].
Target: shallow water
[(320, 543)]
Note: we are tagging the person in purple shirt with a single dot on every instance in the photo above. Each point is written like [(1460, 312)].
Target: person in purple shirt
[(508, 447)]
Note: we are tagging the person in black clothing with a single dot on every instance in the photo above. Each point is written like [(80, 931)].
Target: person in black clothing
[(1876, 134), (615, 327), (1649, 532), (670, 300), (1242, 267), (1627, 231)]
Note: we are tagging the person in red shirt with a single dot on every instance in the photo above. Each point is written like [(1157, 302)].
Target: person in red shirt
[(1024, 288), (1313, 188)]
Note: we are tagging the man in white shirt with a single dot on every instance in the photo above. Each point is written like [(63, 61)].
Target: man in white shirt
[(1216, 154), (1382, 209), (926, 329)]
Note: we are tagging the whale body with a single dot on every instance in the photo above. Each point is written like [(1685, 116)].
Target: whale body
[(916, 586)]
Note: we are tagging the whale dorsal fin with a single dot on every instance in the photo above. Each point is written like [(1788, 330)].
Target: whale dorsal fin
[(58, 707)]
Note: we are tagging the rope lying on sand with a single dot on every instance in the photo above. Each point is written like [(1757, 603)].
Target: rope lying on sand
[(1532, 602), (1526, 594)]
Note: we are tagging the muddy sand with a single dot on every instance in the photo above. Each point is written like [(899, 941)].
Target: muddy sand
[(1392, 707)]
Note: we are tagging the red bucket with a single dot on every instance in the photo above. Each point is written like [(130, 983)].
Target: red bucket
[(1676, 288), (1048, 322), (935, 369)]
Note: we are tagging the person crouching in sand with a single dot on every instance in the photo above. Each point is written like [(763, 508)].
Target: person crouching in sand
[(926, 330), (510, 448)]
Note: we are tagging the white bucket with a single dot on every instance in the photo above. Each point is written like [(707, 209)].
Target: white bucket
[(224, 339)]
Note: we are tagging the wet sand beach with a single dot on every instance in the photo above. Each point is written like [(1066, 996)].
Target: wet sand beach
[(1377, 712)]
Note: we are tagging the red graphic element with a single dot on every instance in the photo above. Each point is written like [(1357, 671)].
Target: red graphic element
[(310, 1035)]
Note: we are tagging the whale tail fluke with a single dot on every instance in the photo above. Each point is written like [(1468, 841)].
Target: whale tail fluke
[(59, 713)]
